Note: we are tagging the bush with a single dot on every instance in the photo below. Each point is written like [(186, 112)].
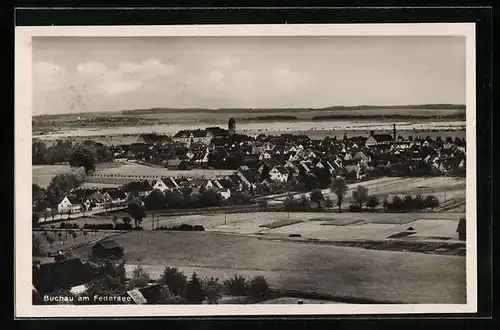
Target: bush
[(98, 226), (140, 278), (258, 287), (355, 208), (194, 290), (328, 202), (182, 227), (38, 250), (175, 281), (64, 225), (236, 285), (212, 289), (372, 202), (123, 226), (431, 202)]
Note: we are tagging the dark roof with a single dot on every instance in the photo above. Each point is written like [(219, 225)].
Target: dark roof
[(151, 293), (383, 137), (107, 244), (60, 274), (116, 194), (182, 134), (73, 199)]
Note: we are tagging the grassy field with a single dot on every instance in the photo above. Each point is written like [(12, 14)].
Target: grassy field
[(346, 272), (123, 173), (67, 242), (43, 174)]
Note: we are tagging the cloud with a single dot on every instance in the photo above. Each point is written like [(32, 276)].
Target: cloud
[(91, 69), (48, 75), (119, 87)]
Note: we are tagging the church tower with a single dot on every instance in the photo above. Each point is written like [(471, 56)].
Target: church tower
[(231, 126)]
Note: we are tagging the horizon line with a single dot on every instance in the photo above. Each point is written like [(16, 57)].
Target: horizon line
[(461, 105)]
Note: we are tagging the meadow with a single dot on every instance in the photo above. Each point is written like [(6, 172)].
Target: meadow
[(340, 271)]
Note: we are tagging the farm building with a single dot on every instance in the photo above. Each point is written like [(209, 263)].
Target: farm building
[(147, 295), (461, 229), (64, 274), (107, 249)]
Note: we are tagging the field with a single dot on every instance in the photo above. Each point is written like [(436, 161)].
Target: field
[(441, 187), (339, 271), (67, 242), (123, 173), (43, 174)]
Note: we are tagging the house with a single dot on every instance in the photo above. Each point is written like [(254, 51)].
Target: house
[(176, 164), (149, 295), (354, 168), (265, 155), (107, 249), (378, 139), (64, 274), (461, 229), (166, 184), (69, 204), (225, 193), (278, 173), (117, 196)]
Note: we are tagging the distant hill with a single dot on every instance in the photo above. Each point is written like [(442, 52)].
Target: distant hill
[(135, 112)]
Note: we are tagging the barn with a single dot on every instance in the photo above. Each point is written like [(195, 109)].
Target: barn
[(107, 249)]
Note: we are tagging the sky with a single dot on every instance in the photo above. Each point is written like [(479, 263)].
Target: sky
[(89, 74)]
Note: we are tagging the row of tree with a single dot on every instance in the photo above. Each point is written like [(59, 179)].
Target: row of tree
[(175, 287), (85, 154)]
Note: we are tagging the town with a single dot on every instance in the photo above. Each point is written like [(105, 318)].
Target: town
[(252, 167)]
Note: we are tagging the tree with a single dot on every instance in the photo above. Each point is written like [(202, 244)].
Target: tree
[(139, 279), (317, 197), (175, 281), (136, 211), (397, 203), (114, 220), (305, 203), (85, 233), (328, 202), (212, 289), (194, 290), (419, 202), (258, 287), (360, 195), (155, 200), (59, 235), (431, 201), (372, 202), (385, 204), (50, 240), (75, 235), (37, 247), (236, 285), (126, 221), (339, 188), (263, 204), (83, 155), (210, 198), (265, 172), (408, 203)]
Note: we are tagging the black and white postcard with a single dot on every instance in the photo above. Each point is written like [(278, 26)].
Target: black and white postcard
[(245, 170)]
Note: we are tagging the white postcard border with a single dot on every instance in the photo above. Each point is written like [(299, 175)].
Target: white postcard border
[(23, 169)]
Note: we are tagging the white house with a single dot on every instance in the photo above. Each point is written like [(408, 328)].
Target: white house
[(265, 155), (225, 193), (70, 203), (278, 173), (168, 184)]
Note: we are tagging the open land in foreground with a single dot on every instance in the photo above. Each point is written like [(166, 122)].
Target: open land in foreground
[(341, 271)]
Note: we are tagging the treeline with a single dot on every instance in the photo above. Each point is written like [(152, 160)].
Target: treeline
[(109, 278), (86, 153), (59, 186), (458, 116), (157, 200), (270, 117)]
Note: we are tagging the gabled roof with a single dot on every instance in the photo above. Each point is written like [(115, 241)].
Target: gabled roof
[(107, 244), (60, 274), (117, 194), (73, 199)]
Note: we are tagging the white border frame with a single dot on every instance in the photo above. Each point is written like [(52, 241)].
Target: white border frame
[(23, 170)]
